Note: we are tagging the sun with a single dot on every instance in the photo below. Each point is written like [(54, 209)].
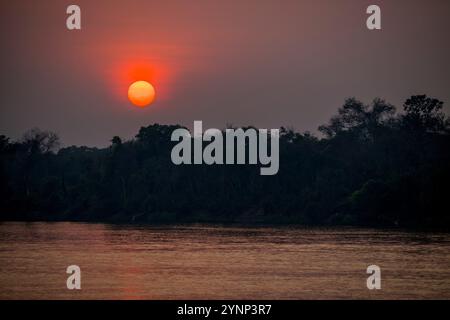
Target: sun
[(141, 93)]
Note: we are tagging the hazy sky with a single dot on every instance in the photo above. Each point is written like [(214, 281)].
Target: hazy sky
[(262, 63)]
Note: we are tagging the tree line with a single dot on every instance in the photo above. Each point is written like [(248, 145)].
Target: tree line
[(371, 166)]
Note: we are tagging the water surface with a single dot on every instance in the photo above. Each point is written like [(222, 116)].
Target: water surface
[(213, 262)]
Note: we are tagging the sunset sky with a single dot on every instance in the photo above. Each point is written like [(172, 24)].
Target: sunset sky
[(262, 63)]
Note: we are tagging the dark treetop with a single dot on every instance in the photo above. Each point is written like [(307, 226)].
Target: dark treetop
[(372, 167)]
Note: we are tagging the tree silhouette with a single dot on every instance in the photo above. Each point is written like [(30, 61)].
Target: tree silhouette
[(372, 167), (424, 114)]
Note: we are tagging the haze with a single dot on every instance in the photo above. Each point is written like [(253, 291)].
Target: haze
[(262, 63)]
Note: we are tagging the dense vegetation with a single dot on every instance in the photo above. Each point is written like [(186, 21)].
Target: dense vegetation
[(372, 166)]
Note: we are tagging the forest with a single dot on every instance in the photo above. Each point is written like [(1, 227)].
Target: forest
[(370, 165)]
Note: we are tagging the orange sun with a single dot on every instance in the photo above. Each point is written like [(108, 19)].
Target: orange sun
[(141, 93)]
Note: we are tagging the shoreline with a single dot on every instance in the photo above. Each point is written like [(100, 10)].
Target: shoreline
[(239, 224)]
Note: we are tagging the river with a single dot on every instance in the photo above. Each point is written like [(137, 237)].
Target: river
[(216, 262)]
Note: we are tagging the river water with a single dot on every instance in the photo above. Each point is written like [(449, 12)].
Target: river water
[(215, 262)]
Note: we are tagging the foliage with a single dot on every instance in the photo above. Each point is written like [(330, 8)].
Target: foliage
[(372, 167)]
